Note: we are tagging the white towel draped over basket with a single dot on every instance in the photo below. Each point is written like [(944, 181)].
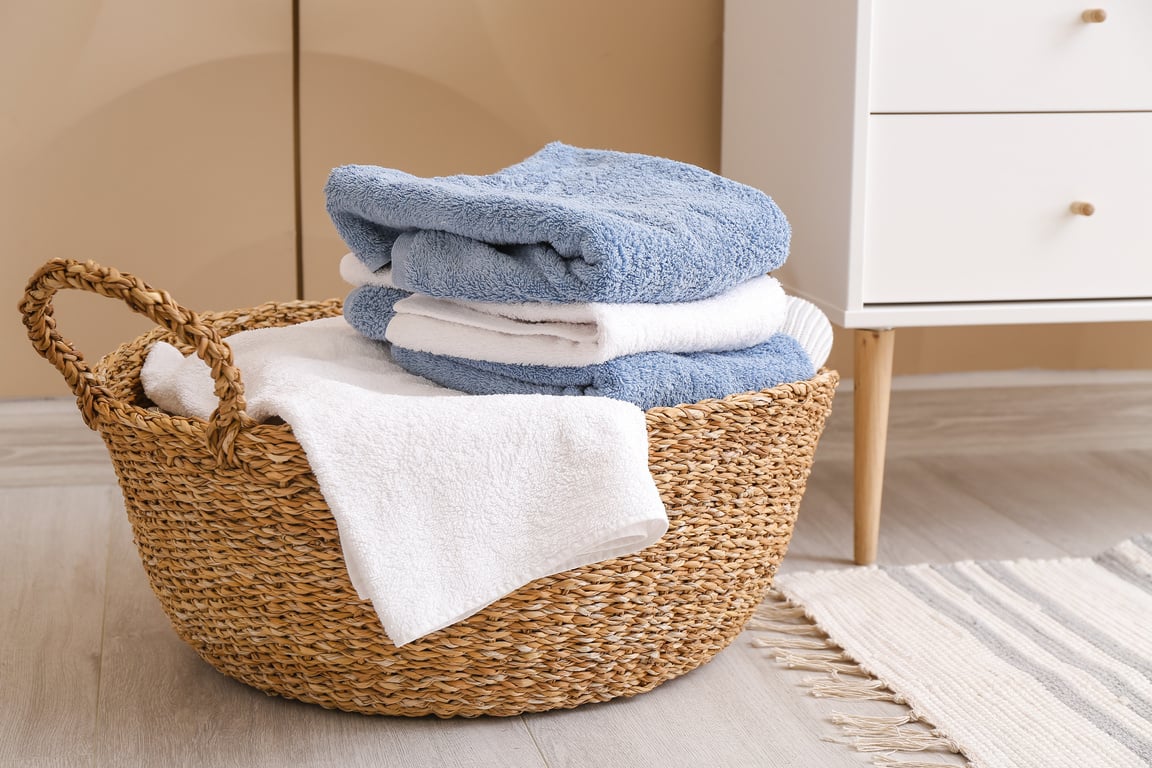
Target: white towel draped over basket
[(444, 503)]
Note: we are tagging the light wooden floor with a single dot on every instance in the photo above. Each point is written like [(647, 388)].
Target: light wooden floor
[(92, 675)]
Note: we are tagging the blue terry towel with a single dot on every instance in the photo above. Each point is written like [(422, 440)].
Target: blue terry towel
[(647, 379), (564, 225), (369, 309)]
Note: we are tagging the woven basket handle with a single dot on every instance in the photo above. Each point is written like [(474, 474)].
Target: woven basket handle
[(91, 396)]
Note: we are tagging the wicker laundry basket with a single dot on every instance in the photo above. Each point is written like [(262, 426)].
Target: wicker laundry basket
[(243, 553)]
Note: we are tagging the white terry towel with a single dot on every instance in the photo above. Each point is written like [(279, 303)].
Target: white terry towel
[(444, 502), (577, 335)]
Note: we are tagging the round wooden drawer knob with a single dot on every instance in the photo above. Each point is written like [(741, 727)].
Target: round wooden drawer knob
[(1094, 15), (1082, 209)]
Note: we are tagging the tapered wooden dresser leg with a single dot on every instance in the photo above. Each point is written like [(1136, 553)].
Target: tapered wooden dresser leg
[(873, 385)]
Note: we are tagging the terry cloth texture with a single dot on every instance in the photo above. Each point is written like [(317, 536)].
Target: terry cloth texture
[(647, 379), (564, 225)]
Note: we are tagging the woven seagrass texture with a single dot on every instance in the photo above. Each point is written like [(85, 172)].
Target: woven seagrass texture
[(244, 556)]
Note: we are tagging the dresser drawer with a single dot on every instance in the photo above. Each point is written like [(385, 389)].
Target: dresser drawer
[(1022, 56), (978, 207)]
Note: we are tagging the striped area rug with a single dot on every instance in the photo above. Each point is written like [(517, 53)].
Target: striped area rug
[(1013, 664)]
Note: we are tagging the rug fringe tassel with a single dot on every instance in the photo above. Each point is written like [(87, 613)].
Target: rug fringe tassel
[(792, 643), (868, 689), (904, 741), (798, 643), (819, 662), (887, 761), (871, 724)]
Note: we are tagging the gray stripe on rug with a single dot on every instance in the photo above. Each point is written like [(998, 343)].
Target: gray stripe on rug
[(1121, 564), (1089, 633), (1137, 743), (1133, 698)]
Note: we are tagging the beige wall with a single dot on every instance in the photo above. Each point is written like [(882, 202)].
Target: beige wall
[(157, 137), (154, 137)]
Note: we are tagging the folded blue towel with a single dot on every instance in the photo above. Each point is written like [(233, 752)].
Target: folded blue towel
[(369, 309), (647, 379), (564, 225)]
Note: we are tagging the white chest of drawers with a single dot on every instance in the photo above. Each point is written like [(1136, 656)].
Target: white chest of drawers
[(946, 162)]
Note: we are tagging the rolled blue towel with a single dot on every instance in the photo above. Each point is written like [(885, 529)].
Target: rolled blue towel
[(647, 379), (564, 225)]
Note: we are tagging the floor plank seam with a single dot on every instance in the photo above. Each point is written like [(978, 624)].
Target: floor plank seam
[(531, 735), (108, 544)]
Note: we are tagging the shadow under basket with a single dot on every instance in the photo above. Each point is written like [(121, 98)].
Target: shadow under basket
[(243, 553)]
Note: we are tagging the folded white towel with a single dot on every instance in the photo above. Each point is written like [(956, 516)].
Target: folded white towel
[(444, 502), (578, 334)]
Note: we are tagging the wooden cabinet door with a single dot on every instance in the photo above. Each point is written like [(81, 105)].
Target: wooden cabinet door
[(154, 137)]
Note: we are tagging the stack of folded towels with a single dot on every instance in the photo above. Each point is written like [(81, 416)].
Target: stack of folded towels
[(576, 272)]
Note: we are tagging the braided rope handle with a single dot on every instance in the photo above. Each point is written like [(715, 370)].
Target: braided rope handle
[(92, 397)]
